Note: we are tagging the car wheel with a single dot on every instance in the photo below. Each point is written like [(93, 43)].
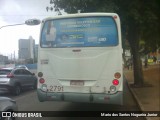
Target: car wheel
[(17, 90)]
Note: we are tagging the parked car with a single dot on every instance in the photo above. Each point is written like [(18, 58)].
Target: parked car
[(13, 80), (22, 66), (7, 105)]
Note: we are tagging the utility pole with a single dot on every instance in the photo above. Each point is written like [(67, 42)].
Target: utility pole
[(11, 57), (14, 58)]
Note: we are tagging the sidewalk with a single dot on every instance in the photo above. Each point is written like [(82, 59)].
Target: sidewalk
[(148, 98)]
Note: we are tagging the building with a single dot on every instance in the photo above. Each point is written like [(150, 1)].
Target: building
[(26, 48), (3, 59), (36, 53)]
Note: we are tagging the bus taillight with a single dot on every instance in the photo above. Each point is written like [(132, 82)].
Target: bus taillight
[(41, 80), (40, 74), (115, 82)]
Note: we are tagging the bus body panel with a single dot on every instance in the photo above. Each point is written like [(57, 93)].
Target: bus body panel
[(65, 65), (104, 98)]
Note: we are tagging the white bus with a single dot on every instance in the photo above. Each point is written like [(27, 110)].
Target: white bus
[(80, 59)]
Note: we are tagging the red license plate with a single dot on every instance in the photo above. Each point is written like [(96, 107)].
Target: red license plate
[(77, 82)]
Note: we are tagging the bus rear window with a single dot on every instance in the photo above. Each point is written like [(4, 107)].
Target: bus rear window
[(79, 32)]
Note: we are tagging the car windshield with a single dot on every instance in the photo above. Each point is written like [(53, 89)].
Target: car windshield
[(4, 71)]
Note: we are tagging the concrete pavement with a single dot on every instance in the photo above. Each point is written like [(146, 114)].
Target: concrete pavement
[(147, 97)]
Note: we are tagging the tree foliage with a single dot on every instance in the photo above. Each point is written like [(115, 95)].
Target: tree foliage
[(139, 18), (71, 6), (143, 15)]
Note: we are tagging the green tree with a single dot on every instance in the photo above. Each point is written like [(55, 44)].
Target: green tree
[(71, 6), (139, 18), (151, 26)]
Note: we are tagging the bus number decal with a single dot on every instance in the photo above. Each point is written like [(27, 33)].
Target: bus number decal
[(55, 88)]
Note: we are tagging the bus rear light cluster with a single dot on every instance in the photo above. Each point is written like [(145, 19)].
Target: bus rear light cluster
[(41, 80), (117, 75)]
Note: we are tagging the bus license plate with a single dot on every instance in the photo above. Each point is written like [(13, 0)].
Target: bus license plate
[(77, 82)]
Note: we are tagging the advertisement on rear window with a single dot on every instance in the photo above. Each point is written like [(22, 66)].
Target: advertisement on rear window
[(79, 32)]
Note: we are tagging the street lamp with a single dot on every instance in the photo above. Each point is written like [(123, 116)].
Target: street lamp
[(11, 25), (30, 22)]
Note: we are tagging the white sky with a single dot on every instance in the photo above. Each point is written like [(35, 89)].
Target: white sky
[(15, 12)]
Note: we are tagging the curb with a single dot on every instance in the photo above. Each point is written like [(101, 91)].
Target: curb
[(140, 106)]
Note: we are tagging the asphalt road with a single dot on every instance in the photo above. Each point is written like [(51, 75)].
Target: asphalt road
[(28, 101)]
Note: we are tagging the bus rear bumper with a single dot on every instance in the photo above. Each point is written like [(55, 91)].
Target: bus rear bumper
[(116, 98)]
